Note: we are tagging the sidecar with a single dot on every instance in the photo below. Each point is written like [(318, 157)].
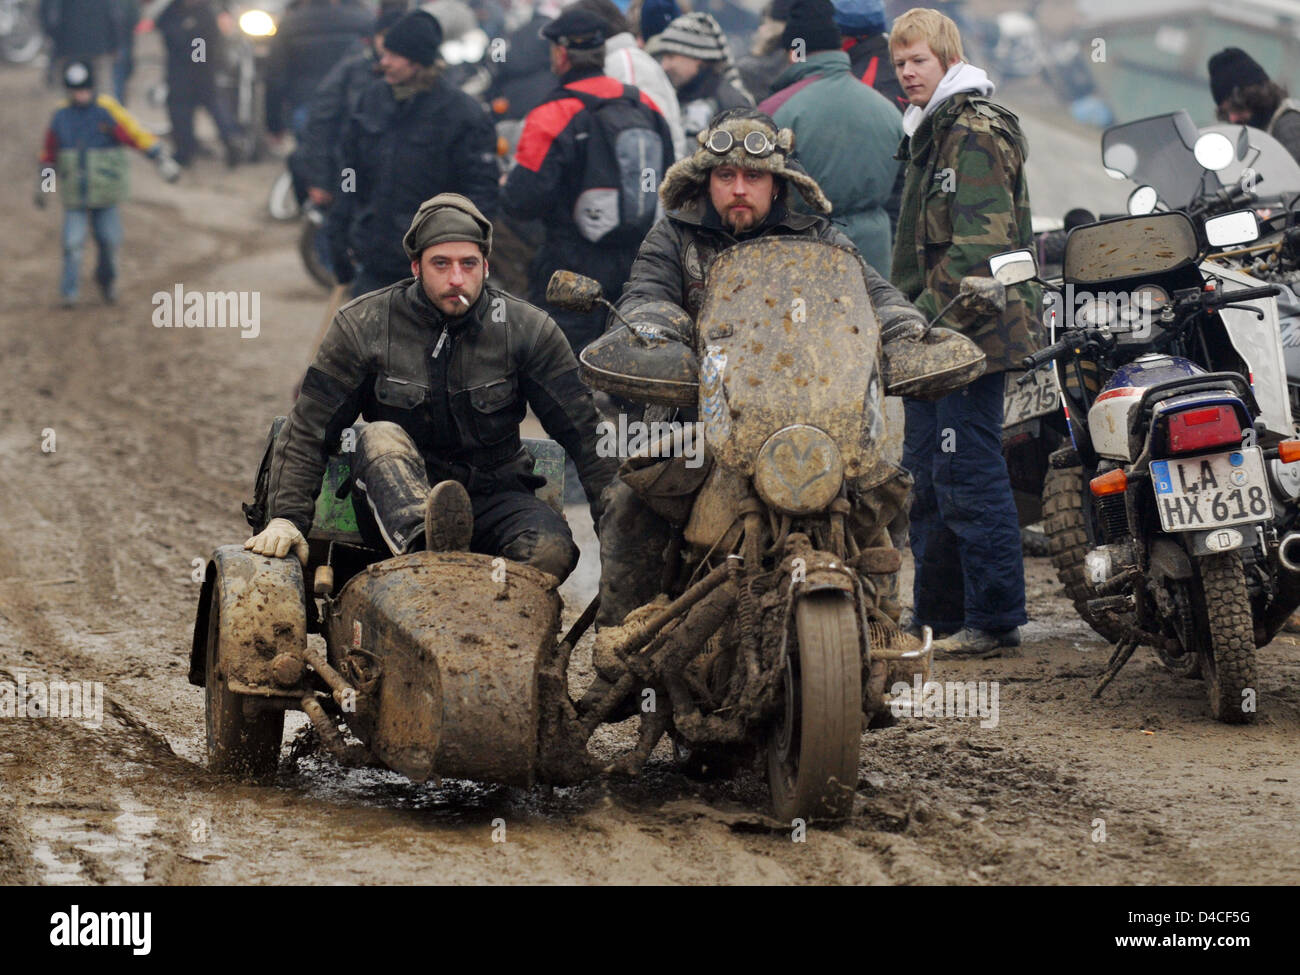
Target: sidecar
[(440, 664)]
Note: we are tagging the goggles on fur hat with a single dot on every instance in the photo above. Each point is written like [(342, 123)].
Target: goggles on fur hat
[(746, 140), (758, 144)]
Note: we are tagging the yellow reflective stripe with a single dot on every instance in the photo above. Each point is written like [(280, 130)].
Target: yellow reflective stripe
[(142, 137)]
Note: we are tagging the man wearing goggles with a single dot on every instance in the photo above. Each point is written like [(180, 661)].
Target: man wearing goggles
[(733, 188)]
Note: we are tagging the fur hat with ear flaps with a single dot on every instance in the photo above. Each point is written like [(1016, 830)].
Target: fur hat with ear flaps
[(689, 177)]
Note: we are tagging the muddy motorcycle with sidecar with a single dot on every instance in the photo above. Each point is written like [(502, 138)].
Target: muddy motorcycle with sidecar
[(765, 638)]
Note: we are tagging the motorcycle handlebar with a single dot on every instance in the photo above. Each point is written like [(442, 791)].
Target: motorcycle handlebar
[(1043, 356), (1242, 294)]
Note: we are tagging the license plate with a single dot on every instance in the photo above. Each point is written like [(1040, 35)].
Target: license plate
[(1213, 491), (1037, 397)]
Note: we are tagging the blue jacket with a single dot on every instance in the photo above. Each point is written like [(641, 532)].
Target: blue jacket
[(85, 145)]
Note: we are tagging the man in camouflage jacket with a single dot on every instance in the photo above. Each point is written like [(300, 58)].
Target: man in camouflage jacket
[(712, 202), (965, 199)]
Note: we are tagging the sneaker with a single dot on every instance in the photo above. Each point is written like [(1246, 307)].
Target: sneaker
[(448, 518), (972, 644), (67, 302), (109, 291)]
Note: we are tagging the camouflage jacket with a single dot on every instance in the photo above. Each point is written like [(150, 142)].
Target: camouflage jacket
[(965, 199)]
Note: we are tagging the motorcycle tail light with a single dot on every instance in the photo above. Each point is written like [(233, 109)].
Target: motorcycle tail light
[(1288, 451), (1210, 426), (1112, 482)]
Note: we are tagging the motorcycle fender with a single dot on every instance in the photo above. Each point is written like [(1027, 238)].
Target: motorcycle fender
[(824, 579), (1169, 560), (263, 609)]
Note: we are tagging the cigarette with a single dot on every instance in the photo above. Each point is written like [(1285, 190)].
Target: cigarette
[(463, 300)]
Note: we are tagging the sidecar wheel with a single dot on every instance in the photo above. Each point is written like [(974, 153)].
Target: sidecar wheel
[(237, 743), (812, 752)]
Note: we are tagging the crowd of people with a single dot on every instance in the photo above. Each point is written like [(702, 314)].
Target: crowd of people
[(648, 145)]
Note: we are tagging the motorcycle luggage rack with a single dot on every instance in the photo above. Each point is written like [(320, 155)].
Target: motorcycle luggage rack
[(1208, 382)]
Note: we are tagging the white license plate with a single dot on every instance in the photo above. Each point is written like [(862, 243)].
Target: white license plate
[(1037, 397), (1212, 491)]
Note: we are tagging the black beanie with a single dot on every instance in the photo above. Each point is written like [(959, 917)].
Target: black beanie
[(813, 22), (1233, 68), (416, 36)]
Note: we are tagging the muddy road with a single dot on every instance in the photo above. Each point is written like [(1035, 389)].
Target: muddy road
[(125, 451)]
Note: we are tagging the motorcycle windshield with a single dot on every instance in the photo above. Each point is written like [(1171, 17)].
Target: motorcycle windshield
[(1129, 246), (1261, 164), (787, 335), (1159, 151)]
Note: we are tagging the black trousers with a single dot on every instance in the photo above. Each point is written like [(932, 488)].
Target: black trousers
[(391, 477)]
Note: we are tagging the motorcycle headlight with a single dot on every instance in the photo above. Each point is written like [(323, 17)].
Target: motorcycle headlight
[(257, 23), (798, 470)]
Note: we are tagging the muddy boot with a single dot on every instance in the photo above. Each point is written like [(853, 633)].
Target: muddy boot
[(390, 472), (632, 543), (448, 518), (969, 643)]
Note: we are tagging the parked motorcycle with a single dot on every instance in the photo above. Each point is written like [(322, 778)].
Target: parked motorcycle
[(1171, 517), (20, 31)]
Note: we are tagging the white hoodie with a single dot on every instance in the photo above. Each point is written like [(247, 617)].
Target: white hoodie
[(960, 77), (626, 62)]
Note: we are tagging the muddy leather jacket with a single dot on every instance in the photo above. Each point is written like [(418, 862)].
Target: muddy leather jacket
[(462, 407), (674, 258)]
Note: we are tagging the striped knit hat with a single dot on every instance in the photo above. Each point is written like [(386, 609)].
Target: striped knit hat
[(697, 35)]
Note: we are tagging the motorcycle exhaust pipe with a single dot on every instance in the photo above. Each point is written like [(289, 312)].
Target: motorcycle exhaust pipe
[(1287, 553)]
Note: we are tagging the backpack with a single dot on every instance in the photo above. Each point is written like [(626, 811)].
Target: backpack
[(618, 200)]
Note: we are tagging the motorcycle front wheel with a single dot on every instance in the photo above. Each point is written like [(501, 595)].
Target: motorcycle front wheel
[(281, 203), (1228, 664), (20, 34), (309, 249), (812, 752)]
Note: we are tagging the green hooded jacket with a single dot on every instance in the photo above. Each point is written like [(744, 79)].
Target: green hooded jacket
[(845, 134), (965, 199)]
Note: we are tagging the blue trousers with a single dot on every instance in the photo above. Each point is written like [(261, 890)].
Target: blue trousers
[(107, 228), (965, 534)]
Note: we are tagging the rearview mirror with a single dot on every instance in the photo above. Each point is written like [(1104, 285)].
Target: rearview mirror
[(1238, 227), (1143, 200), (572, 291), (1013, 267), (982, 296)]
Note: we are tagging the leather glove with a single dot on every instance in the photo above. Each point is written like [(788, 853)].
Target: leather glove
[(278, 538), (907, 328)]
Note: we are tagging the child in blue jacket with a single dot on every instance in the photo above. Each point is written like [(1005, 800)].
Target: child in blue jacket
[(84, 162)]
